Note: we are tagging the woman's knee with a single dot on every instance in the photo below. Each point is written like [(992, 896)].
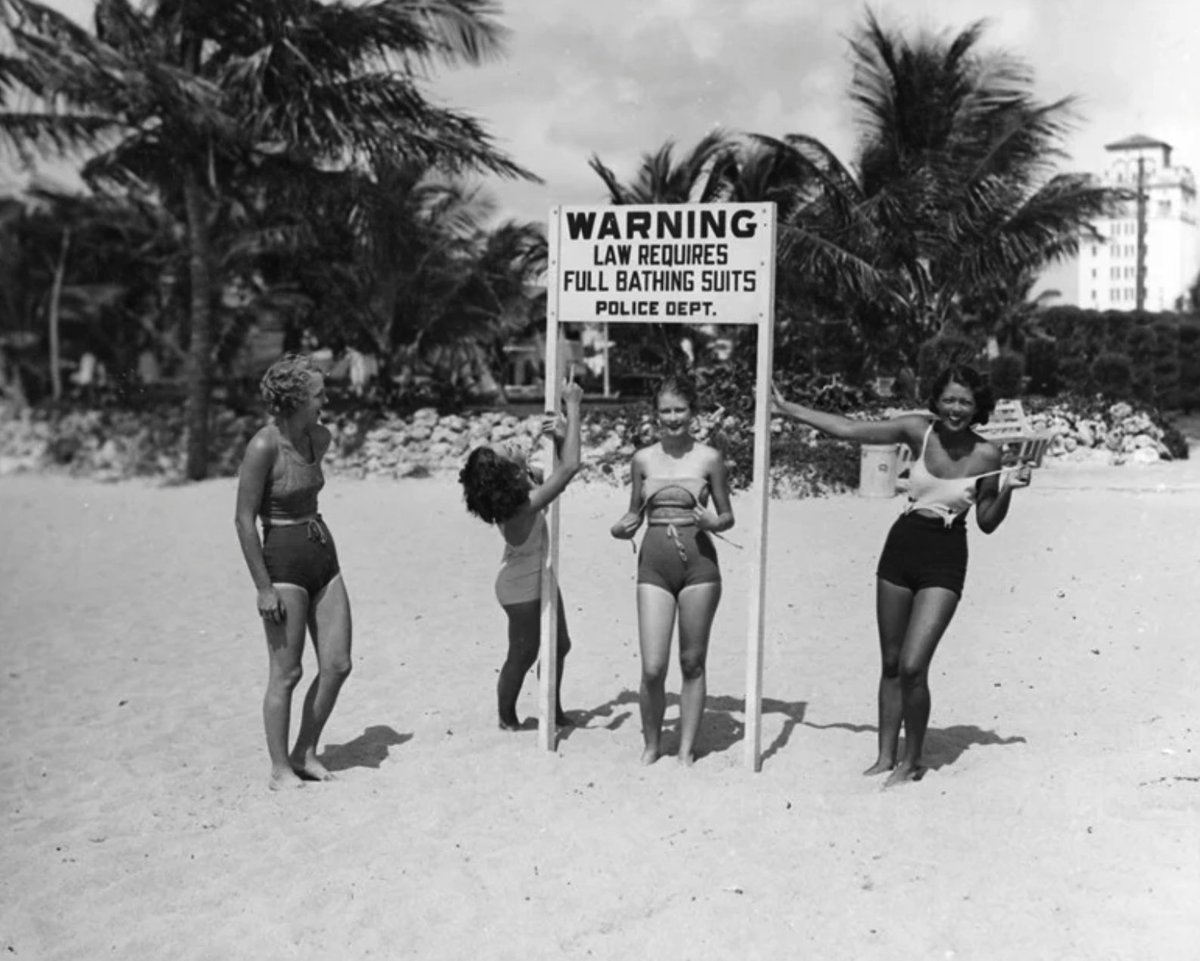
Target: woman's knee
[(338, 667), (912, 673), (654, 675), (285, 678), (691, 666)]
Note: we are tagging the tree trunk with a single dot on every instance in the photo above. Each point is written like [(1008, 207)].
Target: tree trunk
[(60, 270), (200, 346)]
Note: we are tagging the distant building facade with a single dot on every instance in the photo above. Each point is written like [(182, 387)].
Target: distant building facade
[(1104, 276)]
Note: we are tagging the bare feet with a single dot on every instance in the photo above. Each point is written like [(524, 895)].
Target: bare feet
[(687, 759), (284, 779), (905, 773), (650, 755), (308, 768), (510, 723), (879, 767)]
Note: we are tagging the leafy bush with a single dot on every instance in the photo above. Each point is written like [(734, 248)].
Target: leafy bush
[(1006, 373), (1141, 348), (1113, 376), (1041, 365)]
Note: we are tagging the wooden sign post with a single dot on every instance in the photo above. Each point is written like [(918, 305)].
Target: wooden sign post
[(697, 264)]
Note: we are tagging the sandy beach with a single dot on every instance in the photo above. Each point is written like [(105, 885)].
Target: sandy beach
[(1060, 820)]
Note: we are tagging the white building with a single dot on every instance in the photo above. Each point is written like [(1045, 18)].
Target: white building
[(1104, 275)]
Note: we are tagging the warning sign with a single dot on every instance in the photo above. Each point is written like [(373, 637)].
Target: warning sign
[(694, 263)]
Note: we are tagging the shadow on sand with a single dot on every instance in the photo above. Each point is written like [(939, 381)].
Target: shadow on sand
[(723, 726), (369, 749), (943, 746)]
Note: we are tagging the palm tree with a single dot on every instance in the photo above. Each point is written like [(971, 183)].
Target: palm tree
[(415, 273), (699, 177), (80, 270), (197, 96), (1006, 314), (953, 188)]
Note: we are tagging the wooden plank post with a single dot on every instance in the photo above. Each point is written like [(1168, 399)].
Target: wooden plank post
[(548, 653), (760, 491)]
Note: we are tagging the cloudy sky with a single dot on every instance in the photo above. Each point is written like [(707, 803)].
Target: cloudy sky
[(620, 77)]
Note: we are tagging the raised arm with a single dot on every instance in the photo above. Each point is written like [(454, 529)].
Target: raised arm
[(907, 429), (569, 454)]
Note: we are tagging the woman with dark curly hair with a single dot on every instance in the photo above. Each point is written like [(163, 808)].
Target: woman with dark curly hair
[(294, 566), (920, 576), (500, 488)]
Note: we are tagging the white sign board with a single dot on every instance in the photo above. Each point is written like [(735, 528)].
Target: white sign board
[(682, 263)]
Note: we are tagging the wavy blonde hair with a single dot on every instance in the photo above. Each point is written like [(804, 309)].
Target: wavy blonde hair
[(284, 387)]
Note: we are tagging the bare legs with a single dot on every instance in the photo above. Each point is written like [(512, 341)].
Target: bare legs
[(524, 641), (327, 618), (910, 627), (657, 609)]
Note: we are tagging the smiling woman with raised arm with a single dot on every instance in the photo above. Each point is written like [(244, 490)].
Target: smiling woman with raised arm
[(294, 566), (919, 580), (670, 485)]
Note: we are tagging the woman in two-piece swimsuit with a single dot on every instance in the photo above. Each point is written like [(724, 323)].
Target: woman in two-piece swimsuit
[(500, 488), (294, 566), (921, 572), (671, 482)]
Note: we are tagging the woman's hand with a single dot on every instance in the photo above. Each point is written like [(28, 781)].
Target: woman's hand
[(704, 520), (1021, 477), (627, 526), (270, 605), (778, 402), (554, 425), (572, 394)]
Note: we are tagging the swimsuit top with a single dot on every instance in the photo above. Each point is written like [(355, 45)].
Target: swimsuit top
[(670, 500), (530, 554), (292, 486), (948, 497)]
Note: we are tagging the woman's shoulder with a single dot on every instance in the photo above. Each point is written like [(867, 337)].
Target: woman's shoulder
[(264, 441), (987, 452), (709, 456), (643, 457)]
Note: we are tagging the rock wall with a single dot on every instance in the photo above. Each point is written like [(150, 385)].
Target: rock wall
[(111, 444)]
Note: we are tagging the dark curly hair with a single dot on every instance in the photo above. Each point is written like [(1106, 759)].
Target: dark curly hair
[(970, 378), (495, 489), (680, 385), (284, 387)]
